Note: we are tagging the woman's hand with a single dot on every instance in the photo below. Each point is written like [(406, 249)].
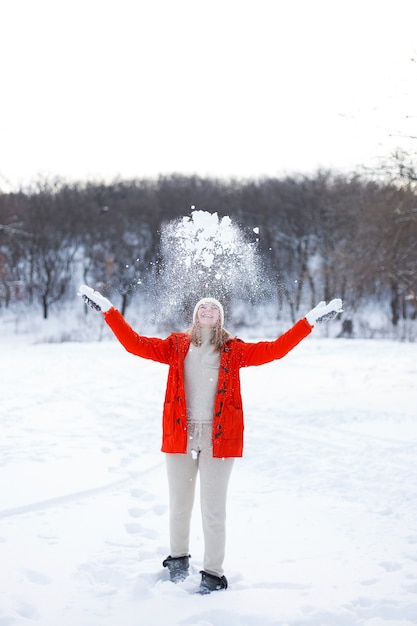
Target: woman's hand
[(94, 299), (324, 312)]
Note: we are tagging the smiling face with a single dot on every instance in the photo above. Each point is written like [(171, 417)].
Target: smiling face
[(208, 315)]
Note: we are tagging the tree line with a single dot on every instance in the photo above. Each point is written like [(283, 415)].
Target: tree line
[(317, 236)]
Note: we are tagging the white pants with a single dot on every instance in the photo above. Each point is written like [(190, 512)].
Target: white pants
[(182, 472)]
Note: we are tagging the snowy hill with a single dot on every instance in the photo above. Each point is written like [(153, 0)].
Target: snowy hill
[(322, 507)]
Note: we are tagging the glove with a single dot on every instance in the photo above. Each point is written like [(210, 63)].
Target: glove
[(324, 312), (94, 299)]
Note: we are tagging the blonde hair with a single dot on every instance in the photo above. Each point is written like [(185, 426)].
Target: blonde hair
[(218, 338)]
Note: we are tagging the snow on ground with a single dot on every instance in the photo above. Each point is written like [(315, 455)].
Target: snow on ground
[(322, 508)]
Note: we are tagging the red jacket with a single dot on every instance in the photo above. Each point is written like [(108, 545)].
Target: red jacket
[(228, 413)]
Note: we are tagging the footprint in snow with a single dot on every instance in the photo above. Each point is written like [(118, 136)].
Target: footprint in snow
[(160, 509), (136, 529), (391, 567), (136, 512), (26, 610), (38, 578), (141, 494)]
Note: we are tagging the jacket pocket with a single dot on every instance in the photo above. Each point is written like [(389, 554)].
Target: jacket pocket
[(234, 426), (171, 417)]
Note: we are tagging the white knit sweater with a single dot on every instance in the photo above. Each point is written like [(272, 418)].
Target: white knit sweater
[(201, 370)]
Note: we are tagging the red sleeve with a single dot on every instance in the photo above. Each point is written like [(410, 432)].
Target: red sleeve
[(267, 351), (152, 348)]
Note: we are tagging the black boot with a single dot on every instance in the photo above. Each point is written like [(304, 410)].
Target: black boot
[(210, 582), (178, 567)]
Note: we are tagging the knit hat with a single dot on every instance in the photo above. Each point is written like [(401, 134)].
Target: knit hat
[(209, 301)]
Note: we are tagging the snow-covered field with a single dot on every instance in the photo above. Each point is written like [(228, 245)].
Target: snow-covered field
[(322, 517)]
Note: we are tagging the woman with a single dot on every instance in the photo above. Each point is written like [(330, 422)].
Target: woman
[(203, 416)]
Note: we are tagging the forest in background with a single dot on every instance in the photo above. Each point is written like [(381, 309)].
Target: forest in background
[(320, 236)]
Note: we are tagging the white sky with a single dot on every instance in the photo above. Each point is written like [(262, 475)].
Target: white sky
[(99, 89)]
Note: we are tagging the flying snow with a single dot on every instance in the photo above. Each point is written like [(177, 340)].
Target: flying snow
[(205, 255)]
